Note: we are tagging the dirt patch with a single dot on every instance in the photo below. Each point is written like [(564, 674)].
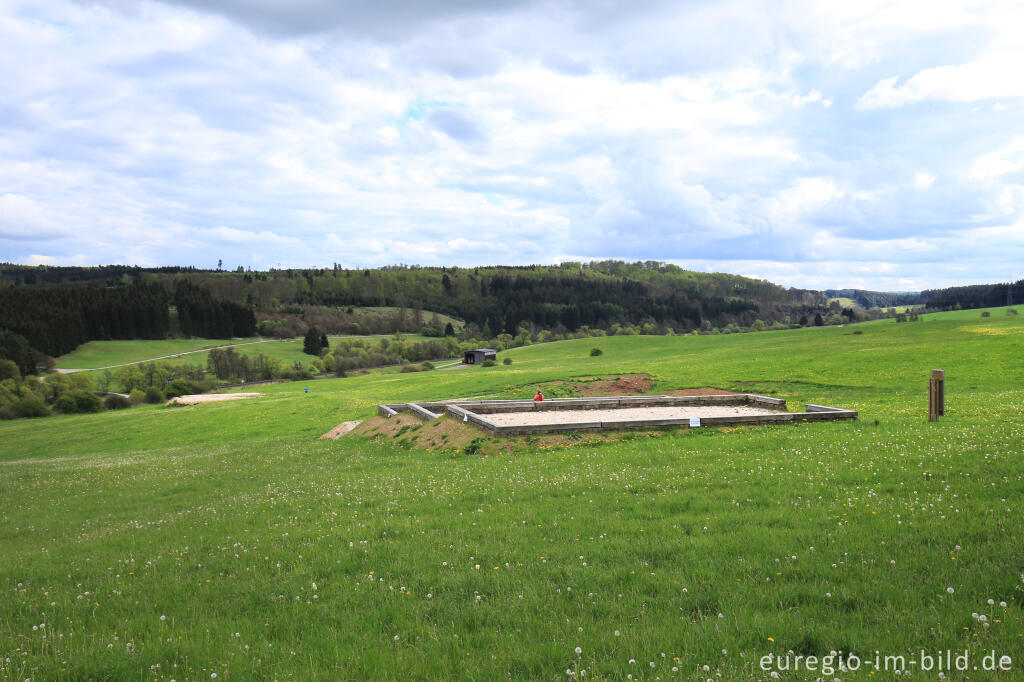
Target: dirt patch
[(210, 398), (340, 430), (408, 431), (461, 366), (599, 386), (448, 434), (701, 391), (627, 384)]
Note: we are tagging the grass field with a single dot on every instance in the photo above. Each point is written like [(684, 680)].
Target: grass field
[(850, 303), (224, 541), (428, 315), (99, 354)]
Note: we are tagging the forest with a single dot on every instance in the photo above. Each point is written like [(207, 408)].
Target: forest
[(50, 310)]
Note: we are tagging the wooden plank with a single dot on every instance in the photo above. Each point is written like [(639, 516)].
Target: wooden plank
[(937, 394)]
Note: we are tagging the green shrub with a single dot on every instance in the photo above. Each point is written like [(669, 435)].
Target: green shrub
[(427, 364), (473, 446), (182, 386), (9, 370), (65, 403), (86, 401), (488, 363), (297, 372), (1011, 311), (136, 397), (594, 352), (178, 387), (72, 402), (115, 401), (986, 314), (507, 361), (155, 395), (413, 368), (30, 406)]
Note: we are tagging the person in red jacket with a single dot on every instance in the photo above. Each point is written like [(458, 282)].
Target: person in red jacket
[(539, 397)]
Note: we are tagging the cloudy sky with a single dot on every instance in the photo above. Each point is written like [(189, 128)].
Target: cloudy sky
[(875, 143)]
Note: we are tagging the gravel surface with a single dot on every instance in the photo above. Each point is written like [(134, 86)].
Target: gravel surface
[(622, 414)]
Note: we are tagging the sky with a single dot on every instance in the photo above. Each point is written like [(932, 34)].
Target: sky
[(874, 144)]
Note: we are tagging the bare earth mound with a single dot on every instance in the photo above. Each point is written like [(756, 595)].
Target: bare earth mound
[(604, 385), (211, 398), (406, 430), (627, 384), (340, 430)]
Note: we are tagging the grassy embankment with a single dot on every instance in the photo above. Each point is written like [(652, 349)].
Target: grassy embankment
[(159, 543)]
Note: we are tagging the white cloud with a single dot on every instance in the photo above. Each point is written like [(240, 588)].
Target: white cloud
[(991, 165), (924, 180), (451, 132), (23, 218), (995, 76)]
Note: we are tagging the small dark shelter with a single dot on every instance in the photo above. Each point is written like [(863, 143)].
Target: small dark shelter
[(475, 357)]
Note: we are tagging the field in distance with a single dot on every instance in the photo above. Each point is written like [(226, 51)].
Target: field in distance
[(103, 354), (225, 539)]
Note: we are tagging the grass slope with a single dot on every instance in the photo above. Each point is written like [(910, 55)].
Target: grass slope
[(99, 354), (159, 543)]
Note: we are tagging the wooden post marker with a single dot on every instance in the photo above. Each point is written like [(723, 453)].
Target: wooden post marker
[(937, 395)]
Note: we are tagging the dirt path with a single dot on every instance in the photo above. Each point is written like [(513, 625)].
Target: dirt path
[(63, 370)]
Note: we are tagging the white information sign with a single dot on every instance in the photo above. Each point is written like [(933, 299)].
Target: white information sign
[(694, 421)]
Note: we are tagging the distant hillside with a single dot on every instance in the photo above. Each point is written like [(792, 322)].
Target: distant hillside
[(970, 296), (642, 297), (497, 299), (975, 296), (876, 299)]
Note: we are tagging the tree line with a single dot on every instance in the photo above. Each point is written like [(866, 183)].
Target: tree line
[(200, 314), (56, 319), (502, 298)]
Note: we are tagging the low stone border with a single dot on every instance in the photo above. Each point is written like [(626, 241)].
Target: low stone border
[(473, 411)]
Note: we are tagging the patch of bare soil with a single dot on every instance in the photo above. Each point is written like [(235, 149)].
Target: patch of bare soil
[(599, 386), (340, 430), (626, 384), (408, 431), (209, 398), (701, 391)]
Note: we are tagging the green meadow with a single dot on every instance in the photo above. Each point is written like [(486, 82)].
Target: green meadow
[(225, 541), (102, 354)]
